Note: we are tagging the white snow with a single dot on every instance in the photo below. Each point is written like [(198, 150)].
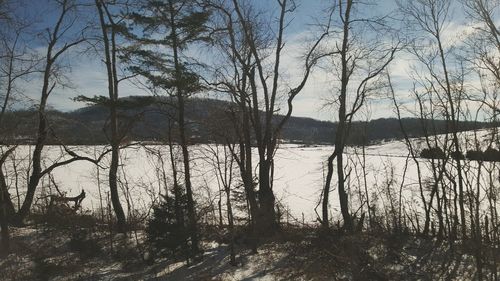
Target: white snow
[(299, 176)]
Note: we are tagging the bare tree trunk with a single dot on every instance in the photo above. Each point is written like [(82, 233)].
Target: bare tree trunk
[(37, 152), (245, 165), (427, 205), (110, 60), (113, 188), (187, 181), (5, 199), (343, 197), (4, 216), (179, 212), (262, 97), (340, 133), (228, 175), (351, 54), (223, 165), (247, 177), (325, 221), (6, 206), (430, 18), (267, 214), (365, 182), (52, 55), (230, 220)]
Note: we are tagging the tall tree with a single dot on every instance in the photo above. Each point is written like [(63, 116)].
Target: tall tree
[(169, 29), (119, 123), (359, 57), (483, 55), (60, 38), (429, 18), (231, 78), (108, 28), (6, 206), (485, 43), (255, 48), (16, 62)]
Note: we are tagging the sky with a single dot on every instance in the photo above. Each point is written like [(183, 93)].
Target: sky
[(87, 76)]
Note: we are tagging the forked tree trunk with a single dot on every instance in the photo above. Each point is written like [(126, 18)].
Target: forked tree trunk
[(246, 171), (341, 133), (36, 162), (52, 55), (110, 60), (246, 175)]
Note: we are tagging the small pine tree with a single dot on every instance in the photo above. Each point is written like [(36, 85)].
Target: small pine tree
[(163, 31), (167, 229)]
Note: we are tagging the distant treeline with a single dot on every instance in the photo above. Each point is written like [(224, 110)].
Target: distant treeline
[(150, 122), (488, 155)]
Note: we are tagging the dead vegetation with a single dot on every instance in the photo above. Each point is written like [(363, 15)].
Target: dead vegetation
[(54, 251)]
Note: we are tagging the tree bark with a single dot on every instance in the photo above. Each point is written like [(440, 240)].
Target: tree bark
[(36, 172), (341, 132), (6, 210), (110, 60), (267, 215), (325, 220), (51, 57)]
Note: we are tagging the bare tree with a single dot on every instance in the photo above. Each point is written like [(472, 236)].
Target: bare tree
[(485, 43), (254, 82), (429, 18), (108, 27), (221, 158), (482, 52), (6, 206), (59, 40), (17, 62), (363, 57)]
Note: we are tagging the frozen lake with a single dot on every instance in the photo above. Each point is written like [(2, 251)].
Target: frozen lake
[(299, 176)]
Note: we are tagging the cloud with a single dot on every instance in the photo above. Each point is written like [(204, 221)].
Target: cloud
[(88, 77)]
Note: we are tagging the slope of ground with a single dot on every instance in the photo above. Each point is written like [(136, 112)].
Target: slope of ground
[(46, 253)]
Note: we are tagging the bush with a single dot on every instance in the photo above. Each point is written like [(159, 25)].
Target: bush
[(83, 242), (491, 154), (475, 155), (432, 153), (457, 155), (62, 217), (167, 229)]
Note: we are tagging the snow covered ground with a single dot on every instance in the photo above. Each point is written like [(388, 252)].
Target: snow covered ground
[(299, 174)]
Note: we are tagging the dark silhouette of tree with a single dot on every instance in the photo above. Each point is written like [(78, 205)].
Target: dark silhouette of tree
[(163, 31), (253, 82), (59, 41), (363, 58)]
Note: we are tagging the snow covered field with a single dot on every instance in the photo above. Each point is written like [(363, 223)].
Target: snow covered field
[(299, 174)]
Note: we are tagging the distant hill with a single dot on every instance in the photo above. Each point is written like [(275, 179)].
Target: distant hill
[(151, 123)]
